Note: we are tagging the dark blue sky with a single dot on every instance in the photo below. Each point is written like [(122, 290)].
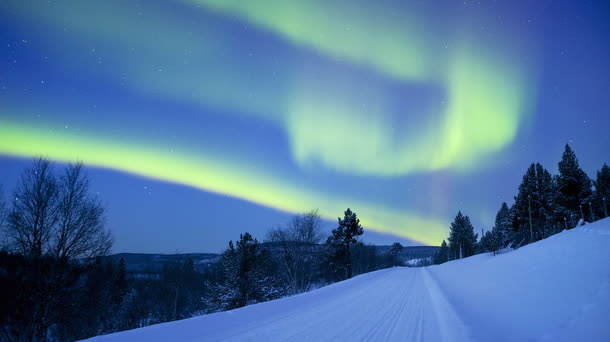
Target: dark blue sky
[(199, 120)]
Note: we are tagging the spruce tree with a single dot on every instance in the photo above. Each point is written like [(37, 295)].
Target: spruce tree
[(503, 226), (247, 279), (224, 295), (490, 242), (334, 256), (545, 201), (535, 200), (120, 283), (247, 253), (345, 236), (462, 239), (441, 255), (602, 192), (573, 188)]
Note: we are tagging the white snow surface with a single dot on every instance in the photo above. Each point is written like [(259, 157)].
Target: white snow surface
[(557, 289)]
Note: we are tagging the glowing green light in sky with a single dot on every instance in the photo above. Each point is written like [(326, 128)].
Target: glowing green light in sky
[(393, 43), (343, 123), (487, 95), (483, 91), (206, 173)]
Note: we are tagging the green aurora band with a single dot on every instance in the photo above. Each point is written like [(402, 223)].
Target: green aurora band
[(486, 99), (486, 91), (205, 173)]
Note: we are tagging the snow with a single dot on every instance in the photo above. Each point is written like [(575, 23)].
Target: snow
[(557, 289)]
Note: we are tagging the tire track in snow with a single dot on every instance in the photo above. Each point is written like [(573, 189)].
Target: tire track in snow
[(398, 304), (401, 304), (451, 327)]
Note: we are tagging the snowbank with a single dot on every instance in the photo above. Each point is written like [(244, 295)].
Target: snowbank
[(557, 289)]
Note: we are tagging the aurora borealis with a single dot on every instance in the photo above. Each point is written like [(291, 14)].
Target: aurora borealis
[(405, 112)]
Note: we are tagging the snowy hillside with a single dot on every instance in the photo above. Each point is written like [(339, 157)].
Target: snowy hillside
[(555, 290)]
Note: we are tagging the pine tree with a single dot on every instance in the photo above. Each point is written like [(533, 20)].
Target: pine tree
[(462, 239), (573, 188), (247, 279), (535, 200), (491, 241), (224, 294), (119, 288), (503, 226), (334, 256), (345, 236), (441, 255), (602, 192)]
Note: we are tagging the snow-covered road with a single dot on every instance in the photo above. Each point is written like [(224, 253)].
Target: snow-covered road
[(399, 304), (391, 305)]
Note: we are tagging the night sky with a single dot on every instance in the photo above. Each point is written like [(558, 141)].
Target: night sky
[(202, 119)]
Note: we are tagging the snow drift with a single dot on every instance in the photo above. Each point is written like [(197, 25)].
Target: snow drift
[(557, 289)]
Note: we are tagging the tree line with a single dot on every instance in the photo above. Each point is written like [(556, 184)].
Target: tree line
[(545, 204)]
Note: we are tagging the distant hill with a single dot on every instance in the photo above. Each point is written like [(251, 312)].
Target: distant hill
[(153, 263), (411, 252)]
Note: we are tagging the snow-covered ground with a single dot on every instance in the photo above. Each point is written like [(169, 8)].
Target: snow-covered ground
[(557, 289)]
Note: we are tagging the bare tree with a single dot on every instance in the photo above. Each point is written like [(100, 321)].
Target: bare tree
[(56, 217), (299, 242), (52, 222), (80, 231), (34, 210)]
